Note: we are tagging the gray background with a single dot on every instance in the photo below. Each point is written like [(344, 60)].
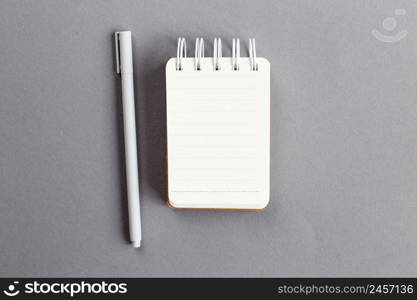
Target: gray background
[(343, 141)]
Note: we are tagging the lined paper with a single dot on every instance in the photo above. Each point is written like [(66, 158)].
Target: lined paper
[(218, 135)]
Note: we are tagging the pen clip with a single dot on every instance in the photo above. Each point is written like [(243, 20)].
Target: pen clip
[(117, 45)]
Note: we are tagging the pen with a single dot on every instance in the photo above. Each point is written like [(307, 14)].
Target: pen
[(124, 67)]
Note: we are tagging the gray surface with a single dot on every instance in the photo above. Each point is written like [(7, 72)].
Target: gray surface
[(344, 142)]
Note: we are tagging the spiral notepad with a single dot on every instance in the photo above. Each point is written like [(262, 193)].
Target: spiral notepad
[(218, 128)]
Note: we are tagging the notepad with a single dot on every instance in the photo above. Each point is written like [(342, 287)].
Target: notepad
[(218, 134)]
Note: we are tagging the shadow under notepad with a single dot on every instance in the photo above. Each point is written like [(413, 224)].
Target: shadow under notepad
[(152, 124)]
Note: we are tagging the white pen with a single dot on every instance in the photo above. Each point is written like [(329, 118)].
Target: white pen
[(124, 66)]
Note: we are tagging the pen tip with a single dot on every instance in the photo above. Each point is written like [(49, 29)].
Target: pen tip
[(136, 244)]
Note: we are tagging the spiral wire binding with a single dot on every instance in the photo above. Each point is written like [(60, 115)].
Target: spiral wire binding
[(199, 52), (181, 52), (252, 55), (235, 54), (217, 53)]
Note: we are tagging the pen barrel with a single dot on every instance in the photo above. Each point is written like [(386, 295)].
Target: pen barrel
[(131, 158)]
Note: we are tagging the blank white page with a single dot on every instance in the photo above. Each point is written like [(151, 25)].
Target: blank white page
[(218, 133)]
